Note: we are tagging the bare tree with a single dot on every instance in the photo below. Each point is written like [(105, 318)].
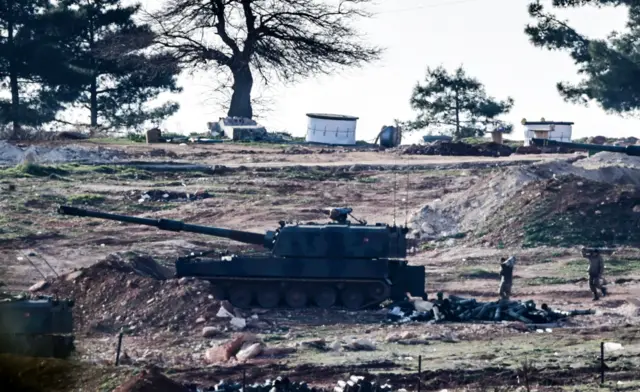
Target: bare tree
[(283, 39)]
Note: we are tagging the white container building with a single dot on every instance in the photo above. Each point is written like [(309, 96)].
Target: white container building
[(336, 129), (553, 130)]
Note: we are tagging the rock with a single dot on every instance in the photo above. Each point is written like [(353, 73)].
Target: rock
[(210, 332), (71, 276), (224, 352), (361, 345), (200, 320), (41, 285), (238, 323), (183, 280), (611, 346), (226, 310), (249, 352), (335, 346), (396, 337)]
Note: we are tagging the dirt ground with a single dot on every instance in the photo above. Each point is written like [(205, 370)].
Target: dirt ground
[(252, 187)]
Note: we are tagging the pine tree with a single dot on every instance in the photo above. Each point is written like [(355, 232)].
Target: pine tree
[(112, 56), (27, 65), (610, 67), (456, 104)]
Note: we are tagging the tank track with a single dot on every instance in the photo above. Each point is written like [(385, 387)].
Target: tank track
[(301, 293)]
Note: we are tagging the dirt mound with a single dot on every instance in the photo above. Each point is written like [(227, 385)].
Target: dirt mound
[(132, 292), (608, 159), (13, 155), (457, 149), (568, 211), (151, 381), (509, 195)]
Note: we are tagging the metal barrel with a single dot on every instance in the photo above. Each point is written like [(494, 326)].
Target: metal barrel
[(629, 150), (171, 225)]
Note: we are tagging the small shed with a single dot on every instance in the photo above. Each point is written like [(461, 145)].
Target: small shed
[(552, 130), (336, 129)]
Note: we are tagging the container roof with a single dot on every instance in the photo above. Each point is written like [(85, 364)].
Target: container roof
[(548, 123), (326, 116)]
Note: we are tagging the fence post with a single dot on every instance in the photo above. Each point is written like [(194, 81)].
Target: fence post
[(419, 372), (119, 348), (601, 362)]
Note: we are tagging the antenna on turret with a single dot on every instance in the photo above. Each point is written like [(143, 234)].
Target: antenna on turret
[(406, 202), (395, 175)]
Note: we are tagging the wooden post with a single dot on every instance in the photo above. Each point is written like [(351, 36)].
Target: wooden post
[(419, 372), (118, 350), (601, 362), (497, 137)]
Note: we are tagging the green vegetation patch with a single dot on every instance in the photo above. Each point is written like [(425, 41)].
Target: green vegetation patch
[(87, 199), (32, 170), (479, 273), (613, 266)]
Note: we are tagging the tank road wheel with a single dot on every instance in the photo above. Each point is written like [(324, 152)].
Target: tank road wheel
[(241, 296), (268, 296), (296, 297), (352, 298), (325, 297), (219, 292), (378, 291)]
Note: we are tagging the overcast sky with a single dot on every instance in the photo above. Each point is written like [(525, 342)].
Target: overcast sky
[(486, 36)]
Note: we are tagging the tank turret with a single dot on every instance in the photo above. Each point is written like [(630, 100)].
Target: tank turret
[(353, 263), (628, 150)]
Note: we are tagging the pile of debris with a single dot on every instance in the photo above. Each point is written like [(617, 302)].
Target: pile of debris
[(282, 384), (459, 309), (458, 149), (133, 292), (151, 380), (168, 196), (12, 155)]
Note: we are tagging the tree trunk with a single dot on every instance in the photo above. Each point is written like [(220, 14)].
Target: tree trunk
[(457, 115), (94, 102), (13, 78), (93, 89), (241, 98)]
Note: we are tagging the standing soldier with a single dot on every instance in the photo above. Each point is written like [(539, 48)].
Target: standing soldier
[(506, 276), (596, 271)]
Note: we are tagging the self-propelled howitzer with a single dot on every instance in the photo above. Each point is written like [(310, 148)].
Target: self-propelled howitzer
[(353, 264)]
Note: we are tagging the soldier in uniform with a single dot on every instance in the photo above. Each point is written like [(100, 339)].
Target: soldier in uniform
[(506, 276), (596, 272)]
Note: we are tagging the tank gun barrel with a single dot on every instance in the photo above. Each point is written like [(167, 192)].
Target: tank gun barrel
[(172, 225), (629, 150)]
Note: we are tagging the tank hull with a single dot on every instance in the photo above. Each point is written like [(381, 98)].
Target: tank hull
[(40, 327), (293, 282)]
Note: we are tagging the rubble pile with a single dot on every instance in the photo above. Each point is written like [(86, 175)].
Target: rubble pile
[(457, 149), (151, 380), (12, 155), (132, 292), (157, 195), (459, 309), (283, 384)]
